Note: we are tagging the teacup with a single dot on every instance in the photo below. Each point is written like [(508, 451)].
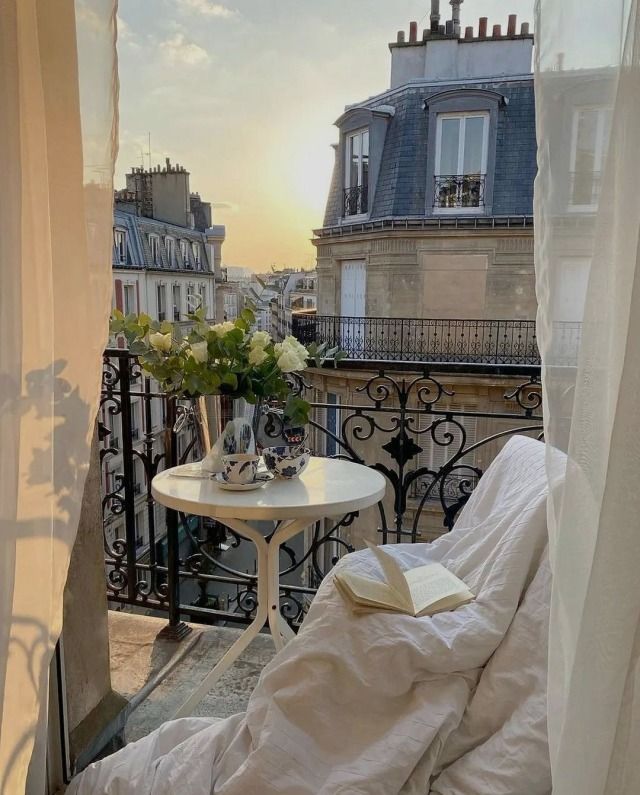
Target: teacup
[(286, 461), (240, 468)]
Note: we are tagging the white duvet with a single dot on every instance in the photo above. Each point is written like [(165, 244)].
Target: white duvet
[(386, 703)]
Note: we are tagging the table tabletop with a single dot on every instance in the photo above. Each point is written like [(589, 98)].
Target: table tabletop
[(327, 488)]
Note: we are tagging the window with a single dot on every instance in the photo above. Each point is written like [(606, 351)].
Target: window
[(203, 296), (192, 301), (195, 248), (129, 299), (177, 301), (139, 529), (356, 174), (170, 247), (154, 242), (589, 137), (461, 161), (120, 246), (184, 253), (161, 292)]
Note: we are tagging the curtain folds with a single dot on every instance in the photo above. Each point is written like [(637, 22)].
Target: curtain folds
[(58, 94), (588, 281)]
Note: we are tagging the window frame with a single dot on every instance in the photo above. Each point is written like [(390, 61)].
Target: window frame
[(463, 115), (348, 138), (120, 251), (196, 251), (161, 289), (184, 252), (129, 288), (599, 153), (154, 248), (170, 249), (177, 308)]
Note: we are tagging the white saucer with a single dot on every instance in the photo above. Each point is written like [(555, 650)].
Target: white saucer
[(258, 483)]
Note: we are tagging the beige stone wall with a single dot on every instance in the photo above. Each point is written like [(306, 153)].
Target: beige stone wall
[(485, 274)]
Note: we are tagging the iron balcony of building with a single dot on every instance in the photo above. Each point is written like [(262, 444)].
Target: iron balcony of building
[(356, 200), (459, 191), (426, 443)]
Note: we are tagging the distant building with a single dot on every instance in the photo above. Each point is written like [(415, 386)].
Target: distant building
[(296, 293)]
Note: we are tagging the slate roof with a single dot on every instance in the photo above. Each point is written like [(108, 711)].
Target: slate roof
[(402, 182), (138, 229)]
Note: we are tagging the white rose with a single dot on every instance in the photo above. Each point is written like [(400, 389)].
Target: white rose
[(199, 351), (260, 339), (161, 342), (290, 362), (223, 328), (257, 356)]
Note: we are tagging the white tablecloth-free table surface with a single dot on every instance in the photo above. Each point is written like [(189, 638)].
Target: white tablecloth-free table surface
[(328, 488)]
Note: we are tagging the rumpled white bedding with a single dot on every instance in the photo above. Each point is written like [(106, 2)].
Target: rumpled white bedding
[(383, 703)]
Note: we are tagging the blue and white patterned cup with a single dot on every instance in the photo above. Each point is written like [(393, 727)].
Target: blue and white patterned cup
[(286, 461), (240, 468)]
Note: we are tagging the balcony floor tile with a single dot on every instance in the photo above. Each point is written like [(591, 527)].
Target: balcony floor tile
[(157, 675)]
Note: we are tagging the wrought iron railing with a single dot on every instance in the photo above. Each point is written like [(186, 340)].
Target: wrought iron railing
[(425, 339), (402, 420), (459, 191), (356, 200)]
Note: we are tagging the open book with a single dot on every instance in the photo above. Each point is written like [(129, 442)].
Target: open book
[(423, 591)]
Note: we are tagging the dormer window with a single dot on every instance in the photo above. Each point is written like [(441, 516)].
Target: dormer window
[(195, 249), (120, 246), (356, 173), (154, 248), (170, 247), (460, 162), (184, 253)]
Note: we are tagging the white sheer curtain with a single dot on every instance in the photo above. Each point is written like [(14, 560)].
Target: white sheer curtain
[(58, 90), (588, 274)]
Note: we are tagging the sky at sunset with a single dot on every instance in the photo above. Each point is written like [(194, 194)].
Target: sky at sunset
[(244, 94)]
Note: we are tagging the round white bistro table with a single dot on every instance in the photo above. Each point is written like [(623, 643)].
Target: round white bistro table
[(328, 488)]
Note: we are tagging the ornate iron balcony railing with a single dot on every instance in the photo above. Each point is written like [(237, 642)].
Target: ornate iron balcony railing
[(356, 200), (428, 339), (403, 420), (459, 191)]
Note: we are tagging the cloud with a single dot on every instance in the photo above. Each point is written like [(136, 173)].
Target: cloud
[(224, 205), (177, 49), (209, 9)]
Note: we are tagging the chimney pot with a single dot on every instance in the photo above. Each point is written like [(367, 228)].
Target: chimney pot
[(511, 25), (441, 30), (425, 34), (401, 37), (413, 31), (497, 31), (482, 28), (448, 27), (524, 30), (468, 33)]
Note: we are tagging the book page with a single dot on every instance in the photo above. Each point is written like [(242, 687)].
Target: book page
[(433, 583), (394, 575), (368, 593)]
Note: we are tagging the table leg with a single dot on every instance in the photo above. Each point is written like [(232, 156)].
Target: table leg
[(280, 630), (261, 617)]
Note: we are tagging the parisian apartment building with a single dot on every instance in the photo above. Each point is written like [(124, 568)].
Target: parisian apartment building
[(167, 261), (428, 230)]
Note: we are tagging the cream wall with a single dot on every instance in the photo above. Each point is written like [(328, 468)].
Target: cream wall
[(453, 274)]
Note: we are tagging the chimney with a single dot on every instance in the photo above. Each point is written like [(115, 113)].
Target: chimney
[(511, 25), (497, 31), (448, 27), (455, 15), (413, 32), (468, 33), (482, 28), (401, 38), (435, 16), (524, 30)]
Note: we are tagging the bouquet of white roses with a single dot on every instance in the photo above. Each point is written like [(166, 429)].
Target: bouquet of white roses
[(224, 359)]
